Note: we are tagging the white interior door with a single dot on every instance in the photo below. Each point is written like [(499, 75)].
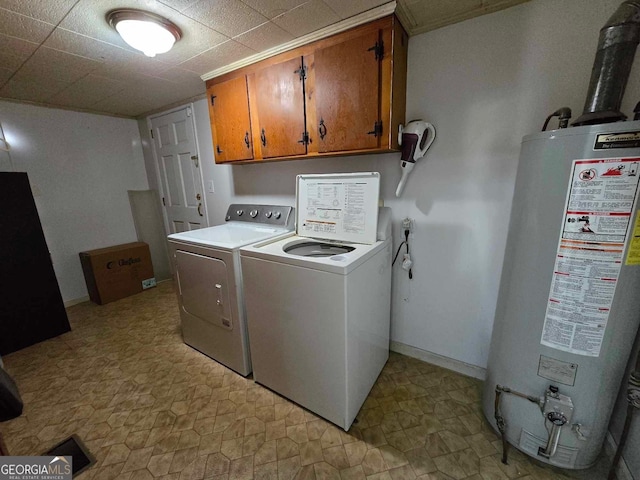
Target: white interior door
[(179, 169)]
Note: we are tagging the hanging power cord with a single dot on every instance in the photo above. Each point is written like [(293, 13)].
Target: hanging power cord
[(406, 261), (397, 253), (633, 398)]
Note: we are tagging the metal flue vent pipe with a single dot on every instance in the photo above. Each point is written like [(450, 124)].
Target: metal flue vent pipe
[(616, 49)]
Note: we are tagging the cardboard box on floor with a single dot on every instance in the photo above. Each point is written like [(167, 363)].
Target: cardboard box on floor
[(117, 272)]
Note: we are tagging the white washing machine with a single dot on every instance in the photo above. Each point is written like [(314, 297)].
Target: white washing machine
[(209, 280), (318, 302)]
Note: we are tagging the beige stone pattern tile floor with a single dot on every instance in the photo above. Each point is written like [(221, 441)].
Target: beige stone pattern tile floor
[(148, 406)]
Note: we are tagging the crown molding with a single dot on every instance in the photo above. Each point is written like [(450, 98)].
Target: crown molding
[(356, 20)]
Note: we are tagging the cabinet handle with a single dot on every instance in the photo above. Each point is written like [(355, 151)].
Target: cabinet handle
[(218, 149), (246, 139), (200, 209), (322, 129), (263, 138)]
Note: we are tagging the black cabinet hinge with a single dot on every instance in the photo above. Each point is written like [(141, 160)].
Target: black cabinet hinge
[(302, 71), (377, 129), (305, 140), (378, 49)]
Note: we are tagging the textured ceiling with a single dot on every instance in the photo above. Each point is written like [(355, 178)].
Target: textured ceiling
[(63, 53)]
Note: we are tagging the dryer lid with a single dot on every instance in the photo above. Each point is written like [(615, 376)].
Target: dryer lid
[(229, 235), (338, 206)]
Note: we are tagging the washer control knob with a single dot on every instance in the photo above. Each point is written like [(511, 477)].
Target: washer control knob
[(239, 212), (227, 218), (268, 214), (253, 213), (277, 215)]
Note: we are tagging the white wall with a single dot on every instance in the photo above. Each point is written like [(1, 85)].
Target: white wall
[(484, 83), (80, 167)]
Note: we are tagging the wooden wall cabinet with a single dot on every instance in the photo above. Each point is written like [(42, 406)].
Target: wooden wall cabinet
[(347, 86), (230, 124), (342, 95), (278, 108)]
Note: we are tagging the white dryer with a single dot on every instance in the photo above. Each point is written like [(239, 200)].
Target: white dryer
[(318, 303), (209, 280)]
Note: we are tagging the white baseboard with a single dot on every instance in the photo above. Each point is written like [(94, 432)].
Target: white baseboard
[(610, 447), (76, 301), (439, 360)]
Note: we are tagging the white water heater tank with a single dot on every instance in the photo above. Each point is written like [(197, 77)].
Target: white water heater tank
[(569, 303)]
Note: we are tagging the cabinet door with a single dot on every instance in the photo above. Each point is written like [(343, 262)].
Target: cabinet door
[(230, 125), (279, 97), (347, 90)]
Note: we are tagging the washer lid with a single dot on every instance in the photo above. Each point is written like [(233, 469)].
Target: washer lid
[(316, 249), (338, 206)]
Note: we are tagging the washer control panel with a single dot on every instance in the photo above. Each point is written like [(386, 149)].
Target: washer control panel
[(277, 215)]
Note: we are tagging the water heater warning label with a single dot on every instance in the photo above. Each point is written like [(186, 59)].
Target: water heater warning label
[(594, 232), (633, 254)]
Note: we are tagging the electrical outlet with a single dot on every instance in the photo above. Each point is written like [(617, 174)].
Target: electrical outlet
[(407, 224), (210, 187)]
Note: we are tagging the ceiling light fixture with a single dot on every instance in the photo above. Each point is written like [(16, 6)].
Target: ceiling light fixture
[(144, 31)]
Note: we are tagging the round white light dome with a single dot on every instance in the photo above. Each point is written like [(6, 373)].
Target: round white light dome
[(147, 32)]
